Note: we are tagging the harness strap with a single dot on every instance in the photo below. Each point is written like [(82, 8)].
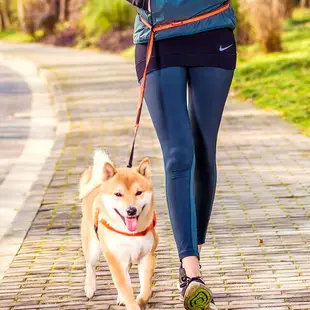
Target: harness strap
[(138, 234), (155, 29)]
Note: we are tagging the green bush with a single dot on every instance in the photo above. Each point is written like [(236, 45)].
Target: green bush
[(100, 16), (280, 81)]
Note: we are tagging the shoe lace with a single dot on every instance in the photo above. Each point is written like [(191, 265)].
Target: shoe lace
[(186, 280)]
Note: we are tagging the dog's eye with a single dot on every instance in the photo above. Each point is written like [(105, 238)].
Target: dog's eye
[(138, 193), (118, 194)]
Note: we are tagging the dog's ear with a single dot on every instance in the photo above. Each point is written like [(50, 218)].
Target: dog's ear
[(84, 182), (91, 178), (108, 171), (144, 168)]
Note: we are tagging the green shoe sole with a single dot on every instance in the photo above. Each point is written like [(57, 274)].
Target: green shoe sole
[(197, 297)]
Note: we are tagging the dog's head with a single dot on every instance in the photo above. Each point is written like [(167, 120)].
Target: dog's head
[(125, 196)]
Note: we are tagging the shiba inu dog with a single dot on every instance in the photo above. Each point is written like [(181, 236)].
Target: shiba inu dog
[(118, 219)]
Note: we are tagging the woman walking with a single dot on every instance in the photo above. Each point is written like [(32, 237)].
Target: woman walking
[(195, 59)]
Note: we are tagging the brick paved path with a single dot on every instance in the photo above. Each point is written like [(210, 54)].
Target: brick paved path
[(257, 254), (14, 118)]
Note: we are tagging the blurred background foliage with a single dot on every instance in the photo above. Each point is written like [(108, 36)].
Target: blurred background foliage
[(100, 16), (273, 42), (84, 22)]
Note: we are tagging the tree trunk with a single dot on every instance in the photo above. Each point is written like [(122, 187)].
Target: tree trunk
[(54, 8), (1, 22), (62, 10), (21, 13), (245, 33), (267, 18), (288, 7), (5, 19), (305, 3)]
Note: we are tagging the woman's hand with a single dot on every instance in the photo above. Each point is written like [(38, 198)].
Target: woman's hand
[(149, 5)]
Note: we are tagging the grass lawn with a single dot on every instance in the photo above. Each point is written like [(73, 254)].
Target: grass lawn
[(129, 52), (280, 81), (17, 37)]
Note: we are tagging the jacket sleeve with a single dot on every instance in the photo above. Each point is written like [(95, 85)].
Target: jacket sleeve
[(142, 4)]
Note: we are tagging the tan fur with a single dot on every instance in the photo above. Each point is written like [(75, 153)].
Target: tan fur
[(99, 201)]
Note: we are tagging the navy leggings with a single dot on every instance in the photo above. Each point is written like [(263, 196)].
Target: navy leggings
[(188, 138)]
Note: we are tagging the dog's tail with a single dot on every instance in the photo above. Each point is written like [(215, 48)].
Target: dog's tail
[(92, 177)]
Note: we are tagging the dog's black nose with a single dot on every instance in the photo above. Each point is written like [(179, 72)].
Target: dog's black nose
[(131, 211)]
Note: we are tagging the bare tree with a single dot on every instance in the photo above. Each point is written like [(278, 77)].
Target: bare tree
[(21, 13), (305, 3), (62, 10), (4, 14), (267, 18), (244, 32), (31, 13), (287, 8), (54, 7)]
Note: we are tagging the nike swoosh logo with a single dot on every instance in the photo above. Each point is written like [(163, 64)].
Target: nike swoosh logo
[(225, 48)]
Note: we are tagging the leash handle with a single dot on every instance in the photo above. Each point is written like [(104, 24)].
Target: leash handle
[(141, 94)]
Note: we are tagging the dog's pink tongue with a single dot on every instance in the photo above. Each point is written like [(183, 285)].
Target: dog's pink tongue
[(132, 223)]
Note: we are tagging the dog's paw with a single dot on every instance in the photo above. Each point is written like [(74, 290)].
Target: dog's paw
[(90, 281), (142, 307), (120, 301), (90, 290), (133, 307), (141, 302)]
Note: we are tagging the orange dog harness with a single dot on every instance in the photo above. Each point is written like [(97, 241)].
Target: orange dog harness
[(155, 29)]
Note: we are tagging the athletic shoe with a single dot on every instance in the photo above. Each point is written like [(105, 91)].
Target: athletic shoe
[(194, 293)]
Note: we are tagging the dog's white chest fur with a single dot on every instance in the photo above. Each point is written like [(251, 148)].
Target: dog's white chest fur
[(130, 249)]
